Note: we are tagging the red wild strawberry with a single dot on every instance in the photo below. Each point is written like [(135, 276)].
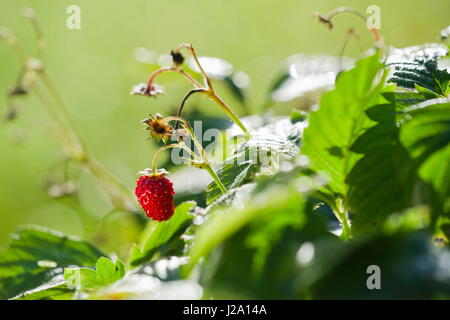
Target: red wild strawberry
[(155, 195)]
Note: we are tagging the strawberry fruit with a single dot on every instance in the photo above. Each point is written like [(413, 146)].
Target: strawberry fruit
[(155, 195)]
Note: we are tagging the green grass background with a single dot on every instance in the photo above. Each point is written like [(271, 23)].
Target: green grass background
[(94, 70)]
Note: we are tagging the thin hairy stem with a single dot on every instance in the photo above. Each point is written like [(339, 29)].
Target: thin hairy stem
[(158, 152), (229, 112), (190, 131), (185, 99), (216, 179), (203, 159), (350, 34), (63, 115), (170, 69), (327, 19), (187, 76), (191, 50), (30, 15), (11, 39)]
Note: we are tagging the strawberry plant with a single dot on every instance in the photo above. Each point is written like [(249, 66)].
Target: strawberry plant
[(301, 205)]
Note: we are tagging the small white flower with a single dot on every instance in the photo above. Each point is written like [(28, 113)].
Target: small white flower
[(142, 90)]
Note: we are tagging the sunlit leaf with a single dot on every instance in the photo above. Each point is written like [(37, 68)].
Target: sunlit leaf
[(50, 291), (105, 272), (35, 256), (222, 225), (425, 132), (340, 120), (381, 182), (160, 279), (426, 128), (261, 152), (418, 66), (158, 237)]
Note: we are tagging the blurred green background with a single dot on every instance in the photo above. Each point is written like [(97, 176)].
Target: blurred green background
[(94, 69)]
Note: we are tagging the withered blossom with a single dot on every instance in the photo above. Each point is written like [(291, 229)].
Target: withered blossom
[(158, 128), (142, 90)]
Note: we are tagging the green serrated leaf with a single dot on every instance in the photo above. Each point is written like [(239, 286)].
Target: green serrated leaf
[(78, 278), (232, 175), (426, 128), (105, 272), (436, 171), (418, 66), (410, 97), (51, 291), (381, 182), (262, 150), (37, 255), (340, 120), (159, 236), (276, 201), (108, 271), (425, 132)]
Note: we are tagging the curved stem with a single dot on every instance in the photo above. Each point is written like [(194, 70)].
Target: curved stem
[(30, 15), (191, 133), (209, 89), (11, 39), (346, 9), (185, 147), (197, 143), (191, 50), (203, 157), (174, 69), (64, 115), (158, 152), (340, 10), (117, 192), (187, 76), (60, 132), (183, 102), (66, 129), (351, 33), (156, 73)]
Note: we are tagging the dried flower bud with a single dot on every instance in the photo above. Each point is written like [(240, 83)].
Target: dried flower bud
[(177, 58), (324, 20)]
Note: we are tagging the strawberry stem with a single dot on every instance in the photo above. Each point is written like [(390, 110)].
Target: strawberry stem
[(327, 20), (208, 90), (201, 159), (216, 178), (158, 152)]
